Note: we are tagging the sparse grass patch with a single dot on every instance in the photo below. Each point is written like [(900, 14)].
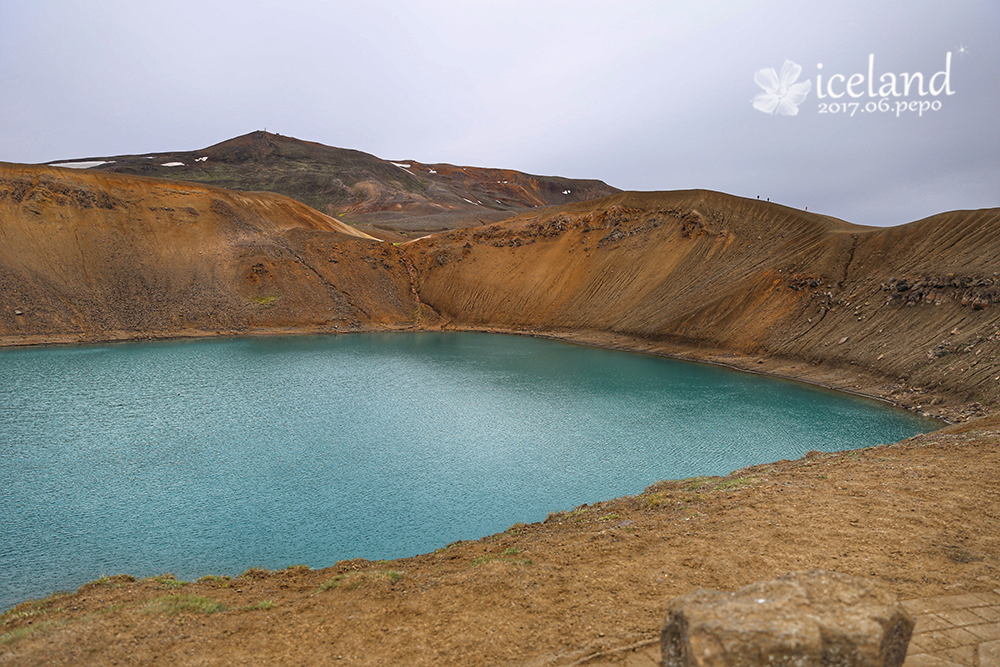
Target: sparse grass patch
[(34, 608), (218, 580), (255, 573), (352, 580), (117, 581), (177, 603), (169, 581), (266, 300), (517, 529), (609, 517), (330, 583), (691, 490), (695, 483), (297, 569), (29, 631), (263, 604), (448, 546), (658, 498), (737, 483), (505, 557)]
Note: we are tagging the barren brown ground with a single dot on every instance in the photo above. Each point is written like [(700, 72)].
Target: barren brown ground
[(921, 516)]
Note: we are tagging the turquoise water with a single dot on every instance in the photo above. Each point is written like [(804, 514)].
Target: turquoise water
[(213, 456)]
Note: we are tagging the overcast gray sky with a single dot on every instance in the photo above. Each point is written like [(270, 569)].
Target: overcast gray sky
[(643, 95)]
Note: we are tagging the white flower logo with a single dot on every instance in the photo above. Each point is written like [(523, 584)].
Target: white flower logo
[(781, 94)]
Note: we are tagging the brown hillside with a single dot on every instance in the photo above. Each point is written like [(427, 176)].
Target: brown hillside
[(731, 279), (88, 255), (895, 312)]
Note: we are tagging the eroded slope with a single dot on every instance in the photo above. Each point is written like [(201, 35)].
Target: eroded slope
[(88, 256), (911, 306)]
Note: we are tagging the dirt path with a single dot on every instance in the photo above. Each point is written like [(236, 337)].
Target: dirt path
[(922, 516)]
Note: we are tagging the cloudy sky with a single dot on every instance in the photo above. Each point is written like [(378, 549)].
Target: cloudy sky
[(643, 95)]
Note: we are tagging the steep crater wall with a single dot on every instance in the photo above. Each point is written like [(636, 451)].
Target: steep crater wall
[(907, 311)]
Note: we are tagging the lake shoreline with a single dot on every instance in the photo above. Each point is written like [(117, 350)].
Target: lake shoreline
[(577, 423), (935, 403)]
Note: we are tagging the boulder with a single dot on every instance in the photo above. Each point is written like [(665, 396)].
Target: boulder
[(801, 619)]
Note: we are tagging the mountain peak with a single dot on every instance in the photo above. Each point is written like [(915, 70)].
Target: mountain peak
[(390, 200)]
